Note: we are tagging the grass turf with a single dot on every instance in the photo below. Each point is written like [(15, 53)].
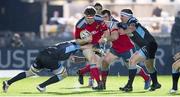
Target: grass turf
[(70, 87)]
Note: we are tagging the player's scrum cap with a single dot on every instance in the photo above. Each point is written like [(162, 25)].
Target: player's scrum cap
[(126, 12)]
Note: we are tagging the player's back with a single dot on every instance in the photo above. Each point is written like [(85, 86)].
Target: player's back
[(63, 50), (141, 36)]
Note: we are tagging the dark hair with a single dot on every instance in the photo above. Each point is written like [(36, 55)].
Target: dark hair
[(129, 11), (106, 11), (178, 13), (91, 11), (98, 4)]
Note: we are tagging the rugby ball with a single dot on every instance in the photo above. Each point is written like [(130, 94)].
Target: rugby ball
[(84, 34)]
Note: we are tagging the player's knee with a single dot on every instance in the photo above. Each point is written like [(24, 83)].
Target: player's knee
[(132, 62), (62, 75), (104, 67), (30, 73), (105, 64), (60, 71), (150, 68)]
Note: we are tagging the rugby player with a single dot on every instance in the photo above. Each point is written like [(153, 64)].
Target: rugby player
[(96, 26), (49, 58), (121, 48), (175, 73), (145, 41), (99, 8)]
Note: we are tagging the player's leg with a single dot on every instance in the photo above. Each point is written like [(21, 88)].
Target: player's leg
[(153, 73), (59, 74), (150, 51), (93, 61), (175, 76), (147, 79), (107, 60), (31, 72), (81, 72), (141, 72), (135, 58)]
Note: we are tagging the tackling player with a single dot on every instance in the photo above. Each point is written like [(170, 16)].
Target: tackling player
[(121, 48), (49, 58), (145, 41)]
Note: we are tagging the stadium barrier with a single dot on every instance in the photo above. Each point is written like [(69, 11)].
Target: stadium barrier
[(22, 58)]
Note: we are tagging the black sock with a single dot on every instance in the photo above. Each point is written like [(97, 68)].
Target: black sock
[(175, 77), (51, 80), (132, 74), (20, 76), (154, 77)]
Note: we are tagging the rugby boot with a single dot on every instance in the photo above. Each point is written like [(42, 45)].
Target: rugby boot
[(80, 78), (155, 86), (41, 89), (147, 84), (5, 86), (126, 88), (99, 87)]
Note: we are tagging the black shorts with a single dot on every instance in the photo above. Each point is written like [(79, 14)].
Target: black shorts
[(150, 50), (46, 60)]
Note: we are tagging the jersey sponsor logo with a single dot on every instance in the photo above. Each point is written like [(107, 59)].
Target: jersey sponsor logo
[(97, 26), (94, 32), (144, 49)]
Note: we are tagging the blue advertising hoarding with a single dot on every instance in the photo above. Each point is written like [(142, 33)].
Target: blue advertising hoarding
[(21, 59)]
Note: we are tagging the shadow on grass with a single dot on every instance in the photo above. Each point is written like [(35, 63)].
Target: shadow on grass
[(175, 94), (76, 92), (59, 93), (120, 92), (82, 87)]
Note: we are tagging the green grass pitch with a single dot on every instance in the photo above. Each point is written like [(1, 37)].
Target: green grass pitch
[(70, 87)]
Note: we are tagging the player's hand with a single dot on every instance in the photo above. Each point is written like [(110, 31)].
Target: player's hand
[(121, 25), (101, 52), (102, 40)]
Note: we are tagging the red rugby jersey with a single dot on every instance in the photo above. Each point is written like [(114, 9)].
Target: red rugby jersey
[(96, 28), (122, 44)]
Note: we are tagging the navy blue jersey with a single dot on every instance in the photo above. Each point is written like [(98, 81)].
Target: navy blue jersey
[(141, 35), (113, 23), (63, 50)]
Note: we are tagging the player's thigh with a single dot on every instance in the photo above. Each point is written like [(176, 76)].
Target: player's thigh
[(99, 60), (176, 65), (136, 58), (38, 64), (61, 70), (108, 59), (90, 55)]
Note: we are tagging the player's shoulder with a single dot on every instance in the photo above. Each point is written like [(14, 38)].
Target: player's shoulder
[(81, 23), (133, 20), (114, 20), (98, 18)]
